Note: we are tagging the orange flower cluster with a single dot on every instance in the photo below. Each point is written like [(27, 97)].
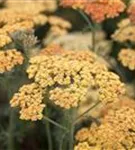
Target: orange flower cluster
[(131, 12), (9, 59), (99, 10)]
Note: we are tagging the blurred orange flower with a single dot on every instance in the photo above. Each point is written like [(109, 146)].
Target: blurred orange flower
[(99, 10), (131, 12)]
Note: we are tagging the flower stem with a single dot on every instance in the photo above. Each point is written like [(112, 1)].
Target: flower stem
[(89, 109), (91, 26), (47, 125), (71, 118), (62, 140), (54, 123), (71, 137), (11, 131)]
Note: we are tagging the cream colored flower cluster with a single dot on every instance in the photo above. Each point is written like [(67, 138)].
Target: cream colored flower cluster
[(127, 58), (9, 59), (125, 32), (30, 99), (115, 132)]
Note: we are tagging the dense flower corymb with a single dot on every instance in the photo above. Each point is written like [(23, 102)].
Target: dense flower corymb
[(9, 59), (74, 72)]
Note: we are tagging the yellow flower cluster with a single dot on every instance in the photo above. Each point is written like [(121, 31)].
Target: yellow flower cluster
[(29, 99), (15, 17), (4, 40), (109, 86), (115, 132), (9, 59), (71, 74), (82, 146), (127, 58), (125, 32)]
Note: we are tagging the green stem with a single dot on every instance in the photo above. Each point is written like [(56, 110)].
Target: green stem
[(71, 137), (11, 131), (11, 127), (89, 109), (62, 140), (71, 118), (92, 27), (54, 123), (47, 125)]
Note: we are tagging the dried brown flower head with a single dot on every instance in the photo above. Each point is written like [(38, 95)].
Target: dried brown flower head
[(9, 59)]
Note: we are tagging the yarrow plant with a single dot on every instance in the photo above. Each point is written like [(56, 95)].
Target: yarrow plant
[(54, 84)]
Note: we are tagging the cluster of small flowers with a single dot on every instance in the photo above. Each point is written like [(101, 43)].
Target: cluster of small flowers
[(9, 59), (115, 132), (109, 86), (14, 18), (127, 58), (68, 75), (73, 73), (99, 10), (29, 99), (125, 32)]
